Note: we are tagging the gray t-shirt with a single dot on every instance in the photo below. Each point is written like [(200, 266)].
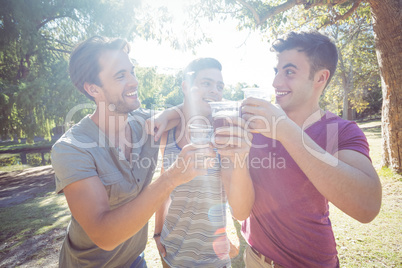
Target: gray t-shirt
[(84, 151)]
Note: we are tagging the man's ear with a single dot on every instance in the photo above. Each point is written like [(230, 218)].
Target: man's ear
[(321, 78), (184, 87), (91, 89)]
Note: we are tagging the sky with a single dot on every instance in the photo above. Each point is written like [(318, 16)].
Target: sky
[(243, 55)]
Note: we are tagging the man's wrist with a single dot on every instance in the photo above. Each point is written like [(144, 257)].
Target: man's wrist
[(172, 178), (156, 235), (172, 113)]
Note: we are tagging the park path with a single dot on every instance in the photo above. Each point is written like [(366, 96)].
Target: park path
[(15, 188), (18, 186)]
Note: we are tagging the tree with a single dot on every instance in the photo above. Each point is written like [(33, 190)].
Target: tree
[(158, 90), (235, 92), (172, 90), (270, 16), (36, 38), (387, 27), (357, 69)]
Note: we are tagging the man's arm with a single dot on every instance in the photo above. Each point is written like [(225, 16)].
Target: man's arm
[(348, 179), (161, 213), (160, 217), (234, 146), (352, 184), (164, 121), (88, 202), (239, 189)]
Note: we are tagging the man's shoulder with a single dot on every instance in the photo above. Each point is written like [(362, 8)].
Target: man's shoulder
[(140, 113), (331, 118), (79, 135)]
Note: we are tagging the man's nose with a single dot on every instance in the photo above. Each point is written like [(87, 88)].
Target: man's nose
[(215, 89), (133, 81), (278, 81)]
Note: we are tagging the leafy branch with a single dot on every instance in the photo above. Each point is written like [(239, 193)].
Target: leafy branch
[(273, 11)]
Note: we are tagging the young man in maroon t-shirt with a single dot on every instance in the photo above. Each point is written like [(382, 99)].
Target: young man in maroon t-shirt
[(301, 158)]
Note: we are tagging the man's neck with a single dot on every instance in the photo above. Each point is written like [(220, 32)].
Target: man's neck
[(112, 124), (191, 115), (306, 118), (188, 111)]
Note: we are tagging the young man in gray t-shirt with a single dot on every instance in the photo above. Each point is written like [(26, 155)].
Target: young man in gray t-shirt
[(105, 163)]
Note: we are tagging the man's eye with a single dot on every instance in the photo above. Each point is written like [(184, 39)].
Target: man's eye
[(120, 76), (205, 84), (220, 87), (289, 72)]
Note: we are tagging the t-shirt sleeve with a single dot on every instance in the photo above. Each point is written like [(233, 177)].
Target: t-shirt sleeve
[(71, 164), (142, 113), (351, 137)]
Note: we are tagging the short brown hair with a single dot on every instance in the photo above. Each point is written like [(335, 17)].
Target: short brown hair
[(192, 69), (320, 50), (84, 60)]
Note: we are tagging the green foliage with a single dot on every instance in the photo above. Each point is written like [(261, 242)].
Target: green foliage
[(9, 160), (172, 90), (157, 90), (353, 34), (158, 23), (33, 160), (174, 98), (373, 96), (235, 92), (358, 69), (36, 37), (357, 78)]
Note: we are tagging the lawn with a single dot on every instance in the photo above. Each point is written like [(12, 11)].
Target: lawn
[(9, 146), (377, 244)]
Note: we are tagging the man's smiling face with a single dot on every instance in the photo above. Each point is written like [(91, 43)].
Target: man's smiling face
[(293, 86), (207, 86), (119, 83)]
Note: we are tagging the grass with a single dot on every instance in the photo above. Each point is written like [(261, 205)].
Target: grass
[(3, 156), (14, 168), (30, 231), (4, 146), (34, 217), (377, 244), (8, 168)]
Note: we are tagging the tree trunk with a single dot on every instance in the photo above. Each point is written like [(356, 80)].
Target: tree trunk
[(351, 113), (346, 87), (345, 109), (387, 24)]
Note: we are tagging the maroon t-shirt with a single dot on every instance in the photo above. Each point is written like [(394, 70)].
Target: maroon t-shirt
[(289, 221)]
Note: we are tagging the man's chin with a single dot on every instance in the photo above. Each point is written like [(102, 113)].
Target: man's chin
[(127, 109), (134, 106)]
